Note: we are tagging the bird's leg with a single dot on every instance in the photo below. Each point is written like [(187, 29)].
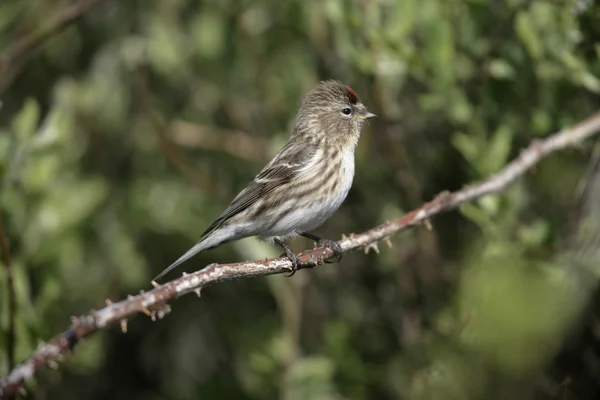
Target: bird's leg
[(289, 253), (330, 244)]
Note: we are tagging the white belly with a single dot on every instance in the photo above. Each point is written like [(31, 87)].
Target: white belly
[(308, 215)]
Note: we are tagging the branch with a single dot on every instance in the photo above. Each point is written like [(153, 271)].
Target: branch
[(154, 302), (235, 143), (13, 58)]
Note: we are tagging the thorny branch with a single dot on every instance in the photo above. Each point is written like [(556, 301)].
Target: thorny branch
[(14, 57), (155, 302)]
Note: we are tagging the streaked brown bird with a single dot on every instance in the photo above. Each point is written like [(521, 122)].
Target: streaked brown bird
[(304, 184)]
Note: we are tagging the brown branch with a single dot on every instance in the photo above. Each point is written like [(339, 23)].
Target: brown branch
[(12, 298), (236, 143), (154, 302), (13, 58)]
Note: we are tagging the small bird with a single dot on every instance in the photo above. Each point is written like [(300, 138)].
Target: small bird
[(304, 184)]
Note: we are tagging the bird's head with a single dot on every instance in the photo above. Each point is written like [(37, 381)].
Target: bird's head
[(332, 112)]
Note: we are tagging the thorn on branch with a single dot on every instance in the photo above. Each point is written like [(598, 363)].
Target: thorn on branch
[(198, 292), (157, 311), (427, 223), (374, 246), (160, 312), (123, 323), (388, 241), (146, 311)]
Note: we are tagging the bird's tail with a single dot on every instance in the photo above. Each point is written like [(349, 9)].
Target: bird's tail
[(198, 247)]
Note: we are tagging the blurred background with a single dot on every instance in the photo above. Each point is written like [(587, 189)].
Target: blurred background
[(127, 133)]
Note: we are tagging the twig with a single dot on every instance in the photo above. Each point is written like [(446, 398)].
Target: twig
[(12, 298), (13, 58), (236, 143), (155, 301)]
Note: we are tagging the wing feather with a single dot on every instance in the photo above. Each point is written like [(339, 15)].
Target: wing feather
[(281, 170)]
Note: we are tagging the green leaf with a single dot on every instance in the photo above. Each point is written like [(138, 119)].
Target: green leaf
[(500, 69), (26, 121), (208, 31), (467, 147), (527, 32), (498, 149)]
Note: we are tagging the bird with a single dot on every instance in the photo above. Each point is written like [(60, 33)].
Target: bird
[(303, 185)]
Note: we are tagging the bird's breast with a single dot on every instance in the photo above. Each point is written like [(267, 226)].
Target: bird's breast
[(339, 189), (334, 181), (313, 198)]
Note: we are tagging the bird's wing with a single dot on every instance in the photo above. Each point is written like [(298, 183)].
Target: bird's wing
[(290, 163)]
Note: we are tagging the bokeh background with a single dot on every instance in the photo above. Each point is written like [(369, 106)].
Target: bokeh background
[(126, 134)]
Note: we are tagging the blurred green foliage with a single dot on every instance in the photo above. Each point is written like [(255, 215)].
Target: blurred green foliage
[(130, 131)]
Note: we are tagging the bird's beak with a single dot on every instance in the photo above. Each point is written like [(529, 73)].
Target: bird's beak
[(363, 113)]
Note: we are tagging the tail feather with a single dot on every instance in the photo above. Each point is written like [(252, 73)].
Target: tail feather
[(198, 247)]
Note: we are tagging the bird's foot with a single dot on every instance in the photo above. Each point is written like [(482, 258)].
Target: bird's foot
[(293, 257), (330, 244), (334, 247)]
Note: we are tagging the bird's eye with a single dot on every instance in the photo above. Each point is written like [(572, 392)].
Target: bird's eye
[(347, 111)]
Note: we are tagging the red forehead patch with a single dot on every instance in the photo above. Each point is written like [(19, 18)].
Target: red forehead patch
[(351, 95)]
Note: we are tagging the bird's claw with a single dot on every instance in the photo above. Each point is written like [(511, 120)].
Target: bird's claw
[(294, 260), (334, 247)]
